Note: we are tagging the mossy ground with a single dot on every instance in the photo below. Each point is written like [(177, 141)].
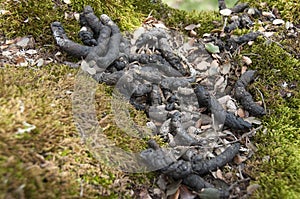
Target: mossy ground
[(52, 162), (278, 159)]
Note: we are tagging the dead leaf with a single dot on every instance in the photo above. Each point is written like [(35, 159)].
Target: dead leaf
[(4, 12), (260, 103), (173, 187), (278, 22), (268, 34), (162, 182), (252, 188), (218, 174), (192, 26), (159, 25), (204, 127), (251, 11), (251, 146), (193, 33), (241, 113), (186, 193), (20, 61), (238, 159), (31, 52), (268, 14), (203, 65), (40, 62), (244, 69), (175, 195), (228, 175), (226, 68), (76, 16), (247, 60), (253, 120)]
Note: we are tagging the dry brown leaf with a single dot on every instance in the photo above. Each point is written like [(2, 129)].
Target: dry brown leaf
[(19, 60), (228, 175), (244, 69), (260, 103), (4, 46), (193, 33), (252, 188), (238, 159), (175, 195), (204, 127), (218, 174), (186, 193), (241, 113)]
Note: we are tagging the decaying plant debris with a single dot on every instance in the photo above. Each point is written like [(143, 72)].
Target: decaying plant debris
[(176, 85)]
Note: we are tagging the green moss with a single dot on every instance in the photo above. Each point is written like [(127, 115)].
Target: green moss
[(54, 151), (279, 177), (178, 19), (289, 10), (30, 18), (33, 17)]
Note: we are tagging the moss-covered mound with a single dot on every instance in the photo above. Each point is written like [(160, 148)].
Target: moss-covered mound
[(278, 158), (289, 10), (34, 17)]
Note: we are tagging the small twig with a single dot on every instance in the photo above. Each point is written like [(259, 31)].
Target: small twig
[(262, 99), (237, 182), (225, 23), (250, 132), (81, 189)]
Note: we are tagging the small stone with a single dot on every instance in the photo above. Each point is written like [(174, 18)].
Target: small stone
[(268, 14), (268, 34), (278, 22), (226, 12), (247, 60), (192, 26), (40, 62), (76, 16), (251, 11), (31, 52), (23, 42), (234, 18), (67, 1), (289, 25)]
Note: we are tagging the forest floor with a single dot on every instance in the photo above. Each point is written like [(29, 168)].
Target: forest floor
[(41, 152)]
